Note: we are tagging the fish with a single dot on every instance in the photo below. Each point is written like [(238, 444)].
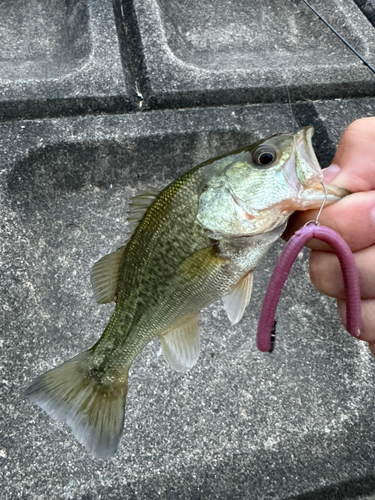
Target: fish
[(193, 243)]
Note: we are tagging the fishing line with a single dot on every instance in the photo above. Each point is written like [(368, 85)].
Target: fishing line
[(340, 37), (296, 125)]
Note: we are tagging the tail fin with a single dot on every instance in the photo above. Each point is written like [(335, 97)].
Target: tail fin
[(94, 411)]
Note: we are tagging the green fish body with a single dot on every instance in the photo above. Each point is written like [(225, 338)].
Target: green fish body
[(195, 242)]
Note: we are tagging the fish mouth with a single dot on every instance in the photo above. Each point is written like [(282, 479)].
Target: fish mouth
[(302, 170), (312, 191), (308, 169), (303, 141)]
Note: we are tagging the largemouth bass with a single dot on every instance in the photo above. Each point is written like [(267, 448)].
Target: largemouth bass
[(193, 243)]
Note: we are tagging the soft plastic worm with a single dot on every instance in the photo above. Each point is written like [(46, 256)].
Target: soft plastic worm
[(282, 269)]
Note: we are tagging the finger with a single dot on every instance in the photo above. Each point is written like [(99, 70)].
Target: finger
[(355, 156), (367, 317), (353, 218), (326, 275)]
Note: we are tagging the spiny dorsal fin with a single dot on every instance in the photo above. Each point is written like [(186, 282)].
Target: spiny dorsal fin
[(180, 344), (139, 205), (238, 299), (104, 276)]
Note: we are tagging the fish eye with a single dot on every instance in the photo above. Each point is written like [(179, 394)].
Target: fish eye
[(264, 156)]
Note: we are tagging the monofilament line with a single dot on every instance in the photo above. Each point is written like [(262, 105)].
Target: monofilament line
[(340, 37)]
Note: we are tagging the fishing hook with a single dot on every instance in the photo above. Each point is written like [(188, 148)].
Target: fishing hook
[(316, 220), (267, 326)]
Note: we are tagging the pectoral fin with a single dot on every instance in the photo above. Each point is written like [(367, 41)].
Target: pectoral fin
[(181, 344), (238, 299)]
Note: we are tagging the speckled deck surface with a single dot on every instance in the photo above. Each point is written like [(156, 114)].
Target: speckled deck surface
[(294, 424)]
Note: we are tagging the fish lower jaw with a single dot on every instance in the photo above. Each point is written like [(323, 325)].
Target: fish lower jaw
[(313, 196)]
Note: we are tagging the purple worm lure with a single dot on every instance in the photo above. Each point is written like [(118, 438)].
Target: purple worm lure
[(266, 326)]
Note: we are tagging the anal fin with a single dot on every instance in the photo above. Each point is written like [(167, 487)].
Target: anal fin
[(238, 299), (181, 344)]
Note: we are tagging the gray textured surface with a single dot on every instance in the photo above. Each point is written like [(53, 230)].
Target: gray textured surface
[(60, 57), (215, 51), (368, 8), (241, 424), (295, 424)]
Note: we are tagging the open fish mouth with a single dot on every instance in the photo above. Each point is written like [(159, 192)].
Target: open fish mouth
[(306, 154), (312, 192), (302, 170)]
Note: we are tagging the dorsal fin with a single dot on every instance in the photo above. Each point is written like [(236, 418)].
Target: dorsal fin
[(139, 205), (104, 276)]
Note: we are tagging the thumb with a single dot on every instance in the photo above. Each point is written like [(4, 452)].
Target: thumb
[(353, 166)]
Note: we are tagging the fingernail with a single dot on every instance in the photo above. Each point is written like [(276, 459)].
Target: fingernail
[(372, 214), (330, 173)]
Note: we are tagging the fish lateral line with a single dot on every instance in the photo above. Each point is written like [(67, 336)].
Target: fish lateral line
[(266, 326)]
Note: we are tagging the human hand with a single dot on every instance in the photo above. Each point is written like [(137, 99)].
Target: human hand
[(353, 217)]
